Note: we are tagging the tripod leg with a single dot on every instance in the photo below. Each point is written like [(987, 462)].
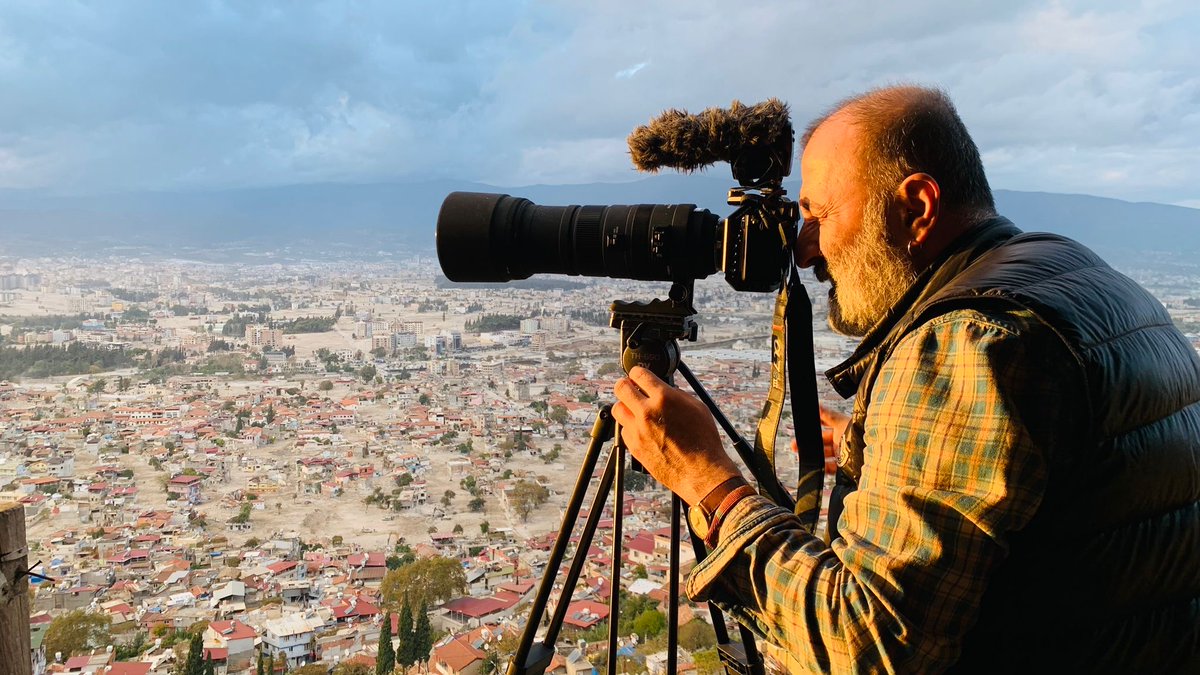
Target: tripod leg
[(528, 660), (614, 588), (673, 588), (585, 541)]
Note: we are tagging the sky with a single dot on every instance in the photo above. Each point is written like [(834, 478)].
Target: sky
[(1091, 97)]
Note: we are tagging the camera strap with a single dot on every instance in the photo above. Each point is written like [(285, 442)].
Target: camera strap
[(792, 352), (806, 409), (772, 411)]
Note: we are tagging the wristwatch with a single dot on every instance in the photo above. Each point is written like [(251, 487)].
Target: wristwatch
[(705, 517)]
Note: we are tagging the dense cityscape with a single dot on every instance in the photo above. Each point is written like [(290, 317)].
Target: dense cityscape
[(314, 467)]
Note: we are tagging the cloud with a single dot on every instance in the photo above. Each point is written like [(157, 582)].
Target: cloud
[(630, 72), (1095, 97)]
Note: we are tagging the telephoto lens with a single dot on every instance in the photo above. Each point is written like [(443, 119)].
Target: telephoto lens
[(485, 237)]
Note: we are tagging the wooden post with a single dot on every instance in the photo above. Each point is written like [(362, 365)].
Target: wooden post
[(14, 596)]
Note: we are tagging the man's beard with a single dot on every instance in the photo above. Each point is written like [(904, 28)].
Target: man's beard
[(869, 275)]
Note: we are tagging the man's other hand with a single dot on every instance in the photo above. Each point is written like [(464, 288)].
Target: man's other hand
[(833, 430), (672, 434)]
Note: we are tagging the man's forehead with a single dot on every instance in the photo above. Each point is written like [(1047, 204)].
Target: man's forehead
[(828, 154)]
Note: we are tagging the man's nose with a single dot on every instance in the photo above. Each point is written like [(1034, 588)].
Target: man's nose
[(808, 245)]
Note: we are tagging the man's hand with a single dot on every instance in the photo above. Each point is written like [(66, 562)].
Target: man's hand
[(672, 434), (833, 428)]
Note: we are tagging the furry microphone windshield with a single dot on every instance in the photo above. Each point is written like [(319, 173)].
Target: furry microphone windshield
[(686, 142)]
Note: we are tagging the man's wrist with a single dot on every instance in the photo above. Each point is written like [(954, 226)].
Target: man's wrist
[(718, 519), (712, 501)]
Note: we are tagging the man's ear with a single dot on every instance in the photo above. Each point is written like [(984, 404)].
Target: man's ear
[(920, 197)]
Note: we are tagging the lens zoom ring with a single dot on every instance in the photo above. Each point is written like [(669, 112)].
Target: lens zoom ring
[(589, 241)]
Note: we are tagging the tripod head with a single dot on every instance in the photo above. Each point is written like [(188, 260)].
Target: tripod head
[(650, 331)]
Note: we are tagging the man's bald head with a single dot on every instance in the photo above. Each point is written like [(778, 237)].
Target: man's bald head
[(907, 130)]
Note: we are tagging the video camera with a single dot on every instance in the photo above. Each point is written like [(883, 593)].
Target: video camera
[(496, 237)]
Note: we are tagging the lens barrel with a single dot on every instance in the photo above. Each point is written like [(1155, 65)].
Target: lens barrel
[(493, 237)]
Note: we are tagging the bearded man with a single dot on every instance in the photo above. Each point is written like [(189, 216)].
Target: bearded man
[(1019, 482)]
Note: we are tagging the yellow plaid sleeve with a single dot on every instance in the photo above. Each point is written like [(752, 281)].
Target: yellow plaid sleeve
[(964, 416)]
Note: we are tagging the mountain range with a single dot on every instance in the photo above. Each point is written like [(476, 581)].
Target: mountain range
[(393, 219)]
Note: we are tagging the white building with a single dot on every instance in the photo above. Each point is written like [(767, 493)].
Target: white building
[(293, 635)]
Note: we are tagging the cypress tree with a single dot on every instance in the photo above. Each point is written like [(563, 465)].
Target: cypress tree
[(194, 663), (208, 665), (261, 669), (406, 652), (422, 634), (385, 659)]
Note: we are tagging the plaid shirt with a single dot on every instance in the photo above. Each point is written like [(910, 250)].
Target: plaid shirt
[(957, 437)]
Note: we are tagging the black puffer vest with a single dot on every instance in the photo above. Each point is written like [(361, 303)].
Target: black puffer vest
[(1106, 577)]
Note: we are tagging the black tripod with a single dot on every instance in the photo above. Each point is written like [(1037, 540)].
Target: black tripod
[(649, 338)]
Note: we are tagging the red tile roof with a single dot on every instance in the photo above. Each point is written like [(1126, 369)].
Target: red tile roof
[(233, 630), (477, 608), (457, 654)]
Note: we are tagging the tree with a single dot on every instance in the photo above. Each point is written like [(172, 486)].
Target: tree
[(351, 669), (325, 385), (527, 496), (649, 623), (261, 669), (636, 480), (385, 661), (367, 373), (432, 580), (484, 527), (476, 504), (78, 632), (208, 665), (423, 399), (312, 669), (270, 413), (403, 555), (194, 663), (132, 649), (422, 634), (406, 652), (707, 662), (558, 414), (447, 497), (697, 634), (243, 515)]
